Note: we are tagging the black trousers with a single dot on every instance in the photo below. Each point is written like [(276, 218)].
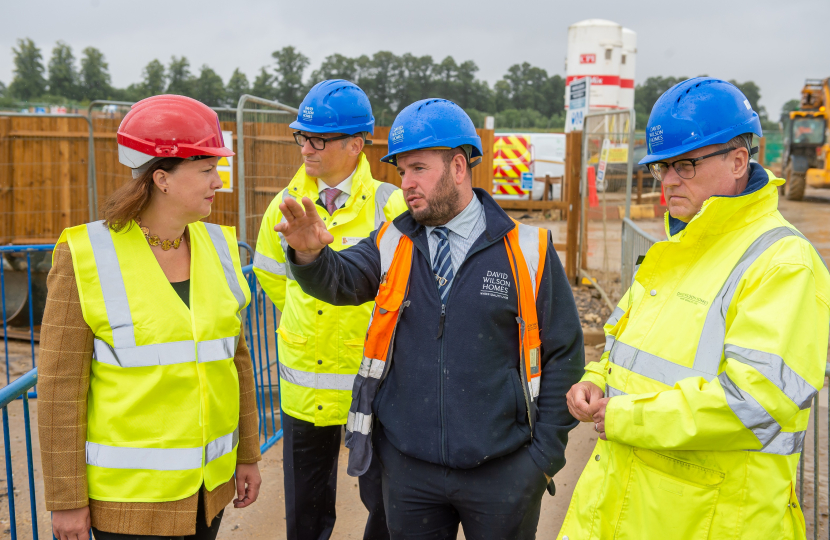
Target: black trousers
[(310, 469), (500, 499), (203, 532)]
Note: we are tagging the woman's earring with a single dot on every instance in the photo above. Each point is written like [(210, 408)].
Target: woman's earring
[(165, 190)]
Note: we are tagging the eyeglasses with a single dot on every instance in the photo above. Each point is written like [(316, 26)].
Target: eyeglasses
[(318, 143), (685, 168)]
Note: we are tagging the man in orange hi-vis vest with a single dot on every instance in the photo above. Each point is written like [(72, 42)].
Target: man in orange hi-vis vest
[(469, 419)]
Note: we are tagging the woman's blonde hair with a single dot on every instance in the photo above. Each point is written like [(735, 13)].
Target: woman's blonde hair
[(128, 201)]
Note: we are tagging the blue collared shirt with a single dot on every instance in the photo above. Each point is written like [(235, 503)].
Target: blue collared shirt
[(464, 229)]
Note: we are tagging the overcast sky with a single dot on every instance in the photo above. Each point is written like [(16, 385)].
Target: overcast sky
[(776, 43)]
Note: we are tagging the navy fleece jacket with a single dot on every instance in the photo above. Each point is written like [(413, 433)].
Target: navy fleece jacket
[(454, 398)]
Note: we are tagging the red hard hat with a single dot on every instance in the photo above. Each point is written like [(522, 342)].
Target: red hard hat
[(169, 126)]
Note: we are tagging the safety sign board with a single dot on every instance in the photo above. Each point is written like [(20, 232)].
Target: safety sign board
[(511, 159), (225, 165), (527, 181), (579, 93)]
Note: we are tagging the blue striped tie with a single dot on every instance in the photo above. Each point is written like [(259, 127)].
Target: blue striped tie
[(442, 265)]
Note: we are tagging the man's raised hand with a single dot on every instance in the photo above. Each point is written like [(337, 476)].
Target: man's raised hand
[(303, 229)]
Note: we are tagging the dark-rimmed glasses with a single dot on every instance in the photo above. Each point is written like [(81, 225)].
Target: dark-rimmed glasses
[(319, 143), (685, 168)]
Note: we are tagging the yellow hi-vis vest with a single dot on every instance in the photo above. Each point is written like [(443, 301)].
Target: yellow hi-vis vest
[(319, 344), (526, 249), (163, 409), (712, 359)]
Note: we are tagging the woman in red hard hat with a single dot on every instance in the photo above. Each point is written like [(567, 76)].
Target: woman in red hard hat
[(147, 414)]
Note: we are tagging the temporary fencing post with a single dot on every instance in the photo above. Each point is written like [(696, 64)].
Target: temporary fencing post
[(573, 165), (240, 152)]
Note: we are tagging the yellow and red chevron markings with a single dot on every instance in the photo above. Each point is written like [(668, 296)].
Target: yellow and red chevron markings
[(511, 157)]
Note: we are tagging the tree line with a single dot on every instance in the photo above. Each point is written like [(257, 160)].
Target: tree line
[(526, 97)]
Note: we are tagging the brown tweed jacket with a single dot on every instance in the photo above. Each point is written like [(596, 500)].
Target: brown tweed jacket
[(63, 384)]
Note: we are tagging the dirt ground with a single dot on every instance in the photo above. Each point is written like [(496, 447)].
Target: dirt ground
[(266, 518)]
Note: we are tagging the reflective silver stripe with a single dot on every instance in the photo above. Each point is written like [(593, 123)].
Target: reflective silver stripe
[(710, 346), (157, 354), (388, 245), (382, 194), (534, 387), (610, 391), (318, 381), (529, 245), (155, 459), (359, 423), (112, 285), (777, 371), (221, 446), (217, 349), (615, 317), (651, 366), (609, 343), (785, 443), (220, 244), (751, 413), (371, 367), (264, 262)]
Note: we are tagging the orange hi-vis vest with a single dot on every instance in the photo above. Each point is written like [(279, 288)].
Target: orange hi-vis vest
[(526, 249)]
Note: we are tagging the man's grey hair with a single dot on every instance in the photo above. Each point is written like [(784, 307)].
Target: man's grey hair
[(741, 141)]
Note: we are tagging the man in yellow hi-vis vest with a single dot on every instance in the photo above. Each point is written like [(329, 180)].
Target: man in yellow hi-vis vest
[(320, 345), (702, 396)]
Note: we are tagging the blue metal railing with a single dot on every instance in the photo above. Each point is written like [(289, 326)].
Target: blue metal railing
[(260, 334)]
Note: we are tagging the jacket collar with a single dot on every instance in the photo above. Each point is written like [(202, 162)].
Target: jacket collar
[(303, 185), (724, 213), (498, 224)]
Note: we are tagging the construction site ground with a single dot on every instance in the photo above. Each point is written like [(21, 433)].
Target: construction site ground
[(266, 518)]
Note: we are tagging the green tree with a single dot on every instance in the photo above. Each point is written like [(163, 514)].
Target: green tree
[(179, 79), (415, 79), (3, 89), (264, 85), (237, 85), (289, 75), (526, 88), (63, 76), (154, 79), (380, 79), (209, 88), (94, 75), (336, 66), (28, 81), (791, 105)]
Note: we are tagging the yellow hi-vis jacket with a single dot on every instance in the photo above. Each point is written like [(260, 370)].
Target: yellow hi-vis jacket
[(163, 409), (320, 346), (712, 358)]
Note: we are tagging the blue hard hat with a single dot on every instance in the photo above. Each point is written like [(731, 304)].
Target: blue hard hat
[(335, 106), (433, 123), (696, 113)]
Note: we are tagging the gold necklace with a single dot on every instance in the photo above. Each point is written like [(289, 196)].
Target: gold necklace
[(154, 240)]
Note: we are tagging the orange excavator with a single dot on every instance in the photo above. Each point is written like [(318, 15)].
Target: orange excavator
[(806, 149)]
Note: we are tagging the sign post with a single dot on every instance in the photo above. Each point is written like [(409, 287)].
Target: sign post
[(579, 93)]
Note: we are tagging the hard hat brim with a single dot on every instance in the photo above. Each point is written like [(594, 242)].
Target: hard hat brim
[(347, 130), (444, 143), (720, 137)]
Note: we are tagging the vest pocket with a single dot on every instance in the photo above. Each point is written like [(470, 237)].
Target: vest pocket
[(521, 406), (668, 498), (291, 339)]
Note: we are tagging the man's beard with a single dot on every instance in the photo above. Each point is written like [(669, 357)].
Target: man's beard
[(442, 204)]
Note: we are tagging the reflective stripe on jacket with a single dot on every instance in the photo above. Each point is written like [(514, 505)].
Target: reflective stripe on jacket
[(526, 249), (163, 407), (712, 358), (319, 344)]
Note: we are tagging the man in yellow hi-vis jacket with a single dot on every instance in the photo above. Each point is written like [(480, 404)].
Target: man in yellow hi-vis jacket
[(321, 346), (712, 358)]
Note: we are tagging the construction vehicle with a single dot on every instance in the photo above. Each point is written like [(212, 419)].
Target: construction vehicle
[(806, 150)]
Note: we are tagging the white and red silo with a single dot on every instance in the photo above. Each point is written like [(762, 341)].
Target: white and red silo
[(606, 52)]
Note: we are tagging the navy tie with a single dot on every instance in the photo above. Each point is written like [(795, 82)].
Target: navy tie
[(442, 265)]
